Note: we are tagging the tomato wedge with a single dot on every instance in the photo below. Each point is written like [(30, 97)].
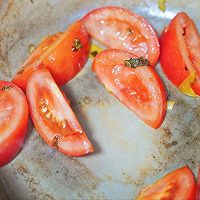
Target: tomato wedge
[(120, 28), (52, 116), (177, 185), (180, 51), (140, 89), (198, 186), (45, 44), (63, 54), (32, 63), (13, 121)]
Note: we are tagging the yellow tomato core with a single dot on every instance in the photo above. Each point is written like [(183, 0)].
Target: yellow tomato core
[(185, 86)]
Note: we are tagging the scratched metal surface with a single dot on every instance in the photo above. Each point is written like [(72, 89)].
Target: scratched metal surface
[(128, 154)]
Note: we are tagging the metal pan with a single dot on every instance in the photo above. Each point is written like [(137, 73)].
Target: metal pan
[(129, 155)]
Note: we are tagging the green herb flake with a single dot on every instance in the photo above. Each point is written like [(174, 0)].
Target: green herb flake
[(6, 88), (136, 62), (20, 71), (31, 48), (130, 31), (94, 53), (55, 141), (77, 45), (162, 5)]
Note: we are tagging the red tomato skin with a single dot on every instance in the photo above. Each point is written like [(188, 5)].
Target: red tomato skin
[(198, 186), (57, 55), (177, 191), (44, 45), (192, 194), (113, 57), (32, 62), (64, 63), (175, 58), (196, 88), (73, 144), (21, 80), (11, 146), (114, 13), (171, 57)]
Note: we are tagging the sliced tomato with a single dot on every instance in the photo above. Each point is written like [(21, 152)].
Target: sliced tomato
[(180, 50), (140, 89), (52, 116), (177, 185), (45, 44), (120, 28), (63, 54), (31, 64), (13, 121), (198, 186)]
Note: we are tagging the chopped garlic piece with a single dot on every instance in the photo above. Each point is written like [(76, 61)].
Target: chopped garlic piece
[(31, 48), (170, 104)]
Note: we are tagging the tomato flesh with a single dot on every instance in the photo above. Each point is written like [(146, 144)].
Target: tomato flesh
[(58, 55), (13, 121), (179, 184), (32, 62), (120, 28), (180, 50), (45, 44), (140, 89), (64, 62), (198, 186), (52, 116)]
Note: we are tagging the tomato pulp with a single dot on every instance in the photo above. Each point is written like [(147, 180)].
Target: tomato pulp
[(63, 54), (179, 184), (180, 51), (52, 116), (119, 28), (140, 89)]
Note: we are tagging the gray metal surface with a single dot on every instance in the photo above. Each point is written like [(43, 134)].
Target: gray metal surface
[(128, 154)]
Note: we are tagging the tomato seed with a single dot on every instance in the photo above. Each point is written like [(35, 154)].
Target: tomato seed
[(41, 101), (47, 101), (48, 115), (64, 124), (44, 109)]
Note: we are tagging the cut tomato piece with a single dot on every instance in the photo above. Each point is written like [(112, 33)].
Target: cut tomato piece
[(198, 186), (180, 51), (120, 28), (13, 121), (177, 185), (63, 54), (52, 116), (45, 44), (140, 89), (31, 64)]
